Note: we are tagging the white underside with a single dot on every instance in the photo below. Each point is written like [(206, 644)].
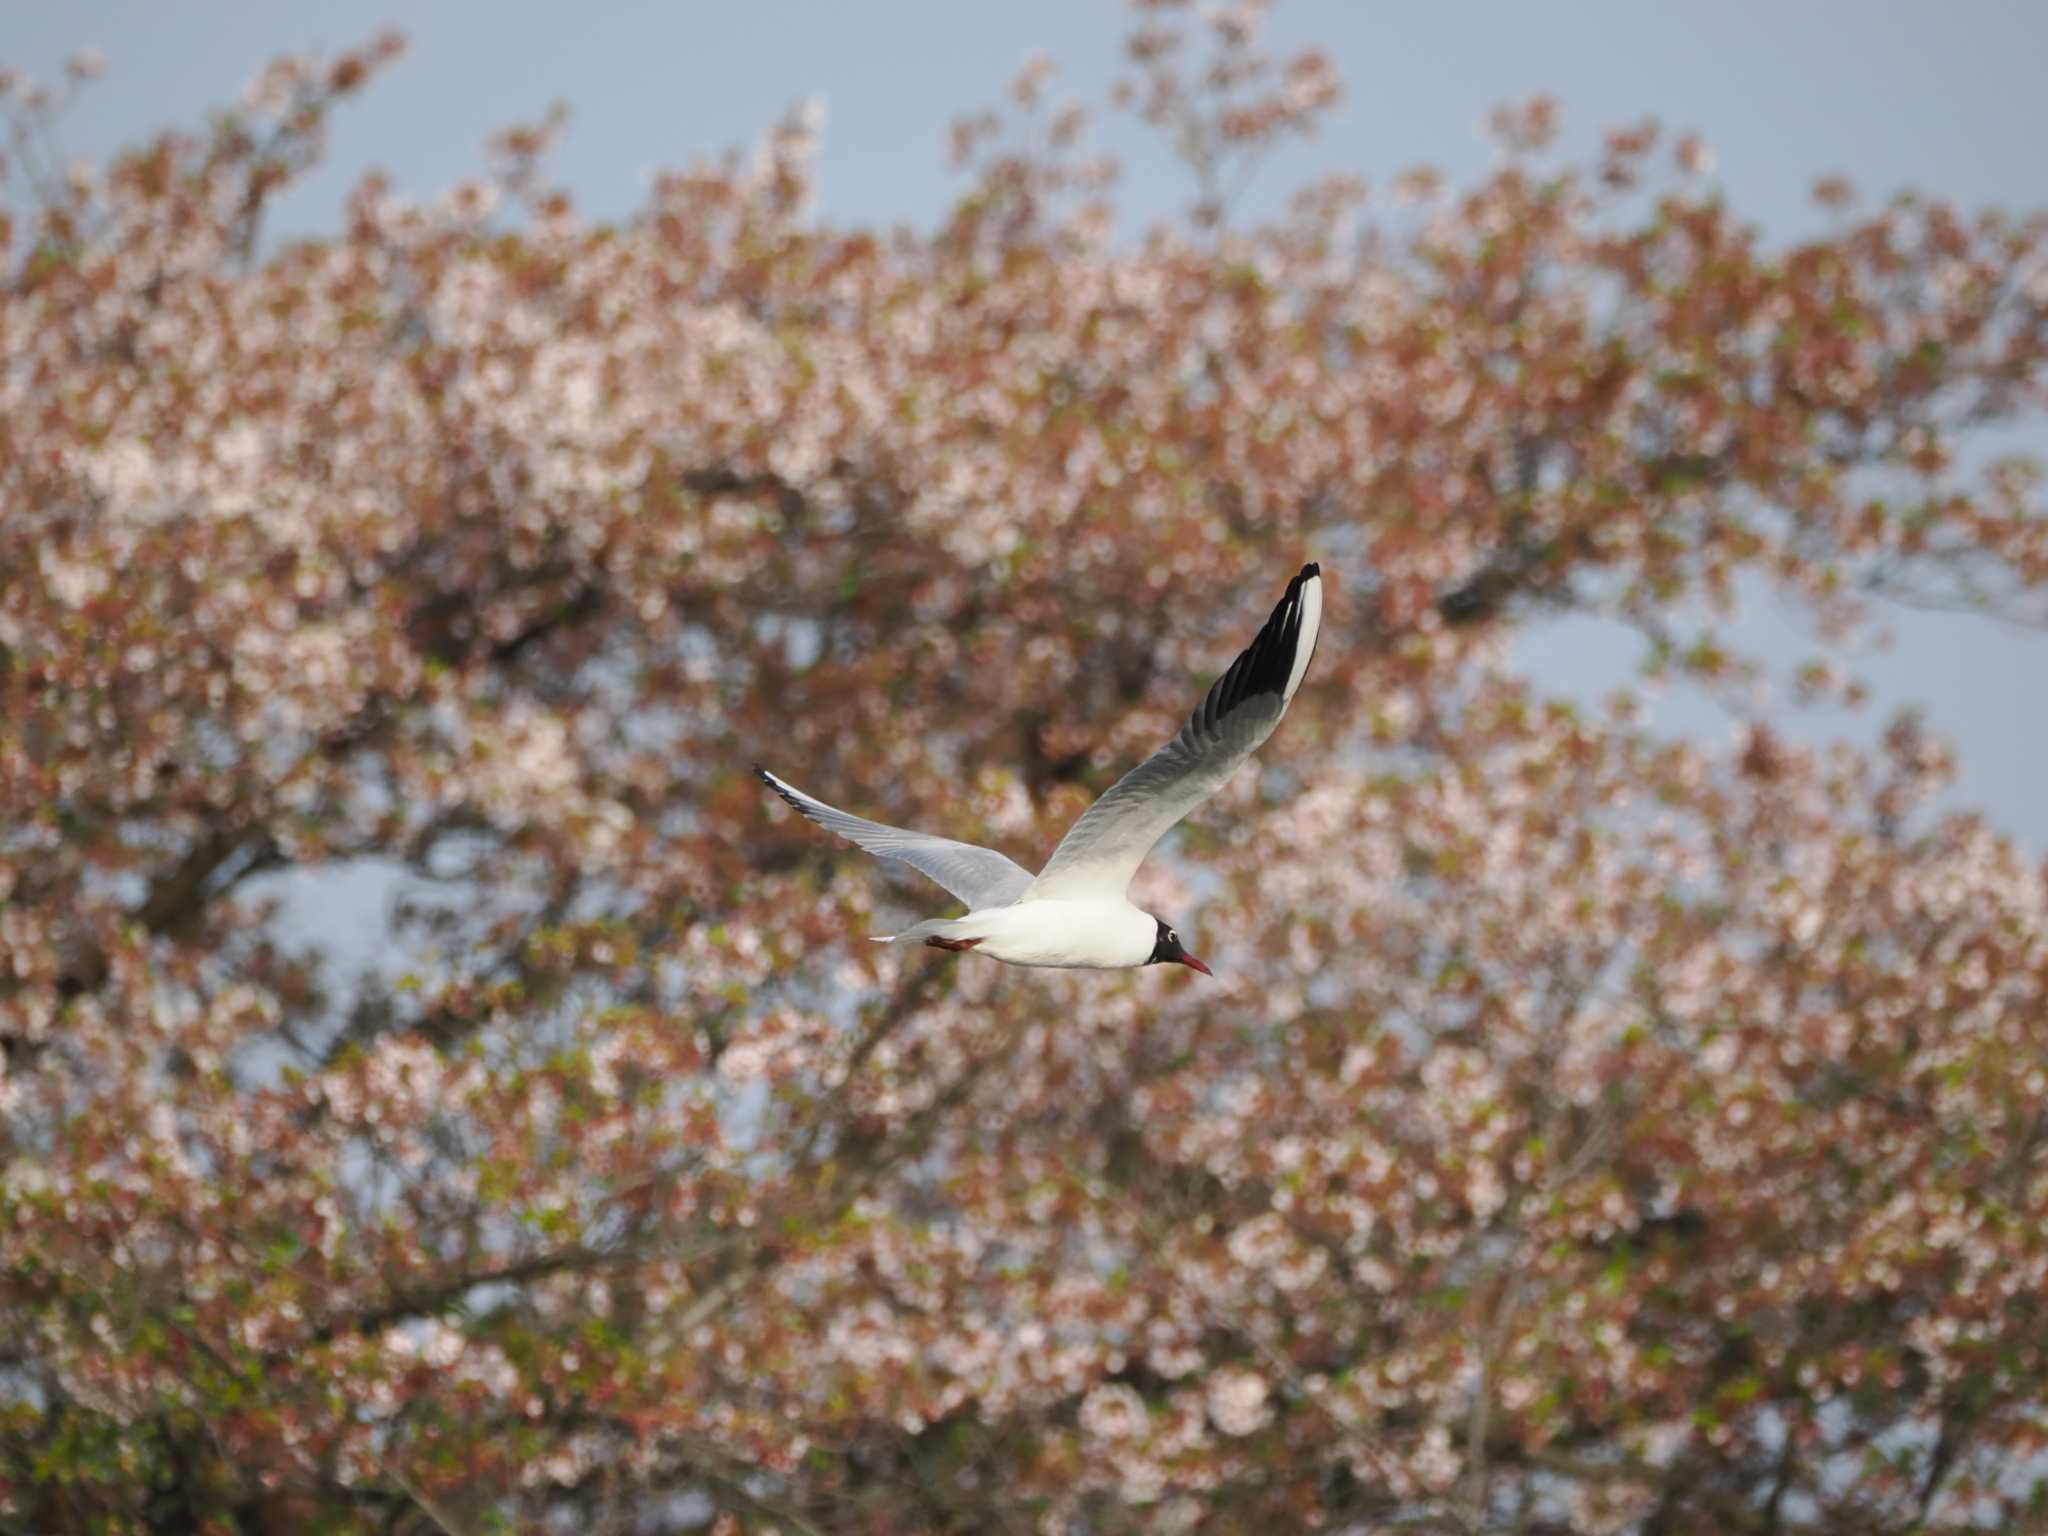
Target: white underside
[(1101, 934)]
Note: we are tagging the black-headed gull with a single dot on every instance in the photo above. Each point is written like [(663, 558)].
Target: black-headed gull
[(1075, 913)]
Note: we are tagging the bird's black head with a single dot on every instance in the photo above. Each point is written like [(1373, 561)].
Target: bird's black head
[(1167, 950)]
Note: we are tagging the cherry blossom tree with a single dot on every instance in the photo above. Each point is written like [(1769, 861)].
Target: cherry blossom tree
[(1586, 1131)]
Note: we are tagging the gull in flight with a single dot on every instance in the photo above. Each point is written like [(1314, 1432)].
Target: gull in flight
[(1074, 912)]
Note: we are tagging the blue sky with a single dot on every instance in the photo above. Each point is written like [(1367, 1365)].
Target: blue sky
[(1948, 99)]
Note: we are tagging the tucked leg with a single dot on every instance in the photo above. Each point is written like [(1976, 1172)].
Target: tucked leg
[(955, 945)]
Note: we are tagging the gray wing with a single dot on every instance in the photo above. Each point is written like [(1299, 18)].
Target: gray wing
[(981, 877), (1102, 851)]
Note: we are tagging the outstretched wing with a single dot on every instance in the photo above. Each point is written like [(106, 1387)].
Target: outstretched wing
[(1102, 851), (981, 877)]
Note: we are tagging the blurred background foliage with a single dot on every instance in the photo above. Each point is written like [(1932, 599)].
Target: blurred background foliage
[(1587, 1129)]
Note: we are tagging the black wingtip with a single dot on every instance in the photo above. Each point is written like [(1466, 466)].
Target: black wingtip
[(783, 793), (1268, 662)]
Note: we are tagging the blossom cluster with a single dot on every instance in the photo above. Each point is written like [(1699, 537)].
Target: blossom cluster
[(1584, 1129)]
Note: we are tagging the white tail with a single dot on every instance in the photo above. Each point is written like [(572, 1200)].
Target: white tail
[(948, 926)]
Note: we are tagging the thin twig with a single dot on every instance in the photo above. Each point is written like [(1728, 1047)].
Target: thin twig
[(425, 1502)]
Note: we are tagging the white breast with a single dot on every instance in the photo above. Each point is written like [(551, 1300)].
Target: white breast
[(1105, 933)]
